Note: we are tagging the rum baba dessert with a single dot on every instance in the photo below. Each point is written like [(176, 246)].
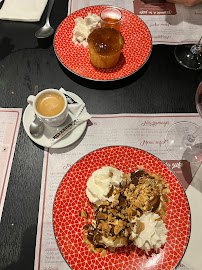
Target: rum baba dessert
[(127, 209), (105, 45)]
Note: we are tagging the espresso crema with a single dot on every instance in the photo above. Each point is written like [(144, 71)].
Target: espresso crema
[(50, 104)]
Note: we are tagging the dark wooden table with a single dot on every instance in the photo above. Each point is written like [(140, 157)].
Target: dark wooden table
[(161, 86)]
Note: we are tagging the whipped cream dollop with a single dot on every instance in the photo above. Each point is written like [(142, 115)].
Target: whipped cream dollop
[(83, 27), (100, 184), (154, 234)]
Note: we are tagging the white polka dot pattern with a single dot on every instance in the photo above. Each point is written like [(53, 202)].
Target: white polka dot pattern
[(136, 51), (71, 199)]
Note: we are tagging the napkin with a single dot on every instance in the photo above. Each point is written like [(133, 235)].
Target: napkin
[(22, 10), (75, 107), (193, 254)]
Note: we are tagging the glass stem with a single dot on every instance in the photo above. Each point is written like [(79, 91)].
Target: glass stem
[(196, 49), (190, 139)]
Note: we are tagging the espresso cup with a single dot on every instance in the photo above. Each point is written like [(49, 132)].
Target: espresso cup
[(50, 106)]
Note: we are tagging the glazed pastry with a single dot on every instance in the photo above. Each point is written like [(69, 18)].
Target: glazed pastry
[(105, 45)]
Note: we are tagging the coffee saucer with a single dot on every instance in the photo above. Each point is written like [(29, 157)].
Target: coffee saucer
[(43, 140)]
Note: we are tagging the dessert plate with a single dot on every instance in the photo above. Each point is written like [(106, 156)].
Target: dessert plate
[(70, 138), (136, 51), (71, 198)]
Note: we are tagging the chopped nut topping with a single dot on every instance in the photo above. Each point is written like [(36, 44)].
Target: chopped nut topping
[(103, 253), (102, 216), (110, 192), (83, 214), (140, 227)]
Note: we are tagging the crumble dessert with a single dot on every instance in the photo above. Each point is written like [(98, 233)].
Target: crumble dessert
[(127, 209)]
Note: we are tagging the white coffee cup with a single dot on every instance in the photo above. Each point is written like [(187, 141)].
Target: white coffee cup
[(51, 115)]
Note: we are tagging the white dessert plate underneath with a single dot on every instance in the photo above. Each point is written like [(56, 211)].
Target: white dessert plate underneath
[(69, 139)]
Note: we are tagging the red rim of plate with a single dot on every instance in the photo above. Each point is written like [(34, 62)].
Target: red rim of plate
[(169, 255), (75, 58)]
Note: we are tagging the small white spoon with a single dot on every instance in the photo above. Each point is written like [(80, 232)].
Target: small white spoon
[(37, 127)]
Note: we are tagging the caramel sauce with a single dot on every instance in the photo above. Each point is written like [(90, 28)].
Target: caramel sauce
[(111, 23), (110, 20), (106, 41)]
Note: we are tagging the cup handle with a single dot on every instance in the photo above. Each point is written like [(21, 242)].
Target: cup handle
[(31, 99), (62, 90)]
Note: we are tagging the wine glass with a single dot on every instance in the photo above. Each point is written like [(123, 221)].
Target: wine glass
[(184, 139), (190, 57)]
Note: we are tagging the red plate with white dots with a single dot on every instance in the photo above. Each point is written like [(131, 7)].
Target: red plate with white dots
[(75, 58), (71, 198)]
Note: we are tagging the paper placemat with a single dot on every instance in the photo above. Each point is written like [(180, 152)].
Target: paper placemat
[(9, 122), (168, 23), (136, 130)]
